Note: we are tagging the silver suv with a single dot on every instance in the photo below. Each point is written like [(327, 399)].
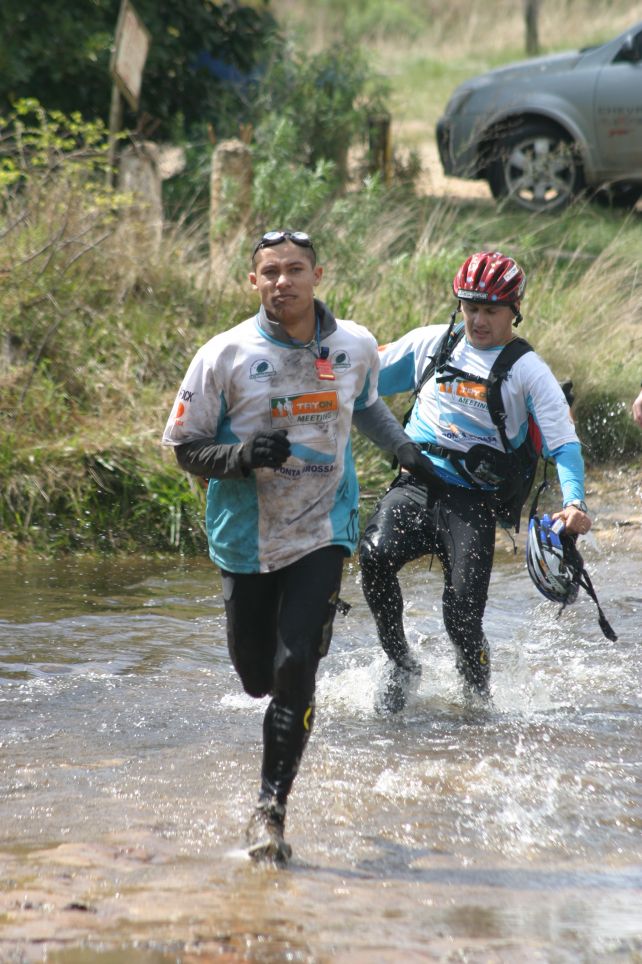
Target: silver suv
[(543, 130)]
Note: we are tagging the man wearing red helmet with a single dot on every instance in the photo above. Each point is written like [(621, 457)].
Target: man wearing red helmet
[(454, 516)]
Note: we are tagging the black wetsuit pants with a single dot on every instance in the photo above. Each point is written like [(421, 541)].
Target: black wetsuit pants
[(279, 625), (458, 525)]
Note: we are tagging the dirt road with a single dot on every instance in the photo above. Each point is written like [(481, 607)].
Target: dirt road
[(432, 179)]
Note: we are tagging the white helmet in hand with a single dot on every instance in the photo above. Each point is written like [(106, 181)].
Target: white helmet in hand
[(553, 562)]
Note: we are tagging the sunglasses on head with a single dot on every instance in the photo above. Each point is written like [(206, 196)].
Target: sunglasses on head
[(270, 238)]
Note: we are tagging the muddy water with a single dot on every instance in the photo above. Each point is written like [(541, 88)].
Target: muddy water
[(129, 761)]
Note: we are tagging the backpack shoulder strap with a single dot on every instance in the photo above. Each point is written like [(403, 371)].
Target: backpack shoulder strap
[(445, 349), (503, 364)]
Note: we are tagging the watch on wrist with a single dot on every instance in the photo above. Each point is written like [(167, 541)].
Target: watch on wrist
[(578, 503)]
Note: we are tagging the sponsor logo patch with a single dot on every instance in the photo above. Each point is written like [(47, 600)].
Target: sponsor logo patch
[(471, 390), (262, 369), (307, 407), (340, 360), (465, 390), (472, 295)]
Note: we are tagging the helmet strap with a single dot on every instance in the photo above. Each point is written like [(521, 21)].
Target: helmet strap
[(584, 578), (605, 626), (544, 484)]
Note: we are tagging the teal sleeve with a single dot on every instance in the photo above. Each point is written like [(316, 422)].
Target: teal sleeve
[(570, 470), (398, 376)]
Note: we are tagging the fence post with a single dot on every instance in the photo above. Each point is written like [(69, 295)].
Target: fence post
[(139, 175), (230, 189), (531, 14), (379, 146)]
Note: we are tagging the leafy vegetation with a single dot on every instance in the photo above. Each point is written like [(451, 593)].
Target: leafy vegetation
[(203, 60), (98, 327)]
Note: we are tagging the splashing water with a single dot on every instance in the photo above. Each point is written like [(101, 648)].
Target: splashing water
[(452, 831)]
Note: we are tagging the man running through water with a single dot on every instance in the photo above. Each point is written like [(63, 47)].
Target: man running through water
[(264, 412), (454, 514)]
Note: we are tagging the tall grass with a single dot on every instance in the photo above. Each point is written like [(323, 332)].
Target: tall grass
[(97, 328), (456, 29), (81, 465), (426, 47)]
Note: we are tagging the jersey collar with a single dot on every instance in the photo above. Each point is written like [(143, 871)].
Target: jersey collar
[(325, 319)]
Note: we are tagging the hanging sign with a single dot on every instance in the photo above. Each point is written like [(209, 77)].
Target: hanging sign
[(130, 53)]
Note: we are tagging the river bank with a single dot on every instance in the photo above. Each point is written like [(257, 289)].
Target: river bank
[(175, 526), (85, 396)]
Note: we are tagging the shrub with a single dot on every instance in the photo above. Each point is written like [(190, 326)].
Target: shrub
[(284, 191), (325, 98)]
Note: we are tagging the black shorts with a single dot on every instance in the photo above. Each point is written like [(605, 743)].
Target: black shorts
[(279, 624), (414, 520)]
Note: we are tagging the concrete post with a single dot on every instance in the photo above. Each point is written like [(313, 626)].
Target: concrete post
[(142, 224), (230, 189)]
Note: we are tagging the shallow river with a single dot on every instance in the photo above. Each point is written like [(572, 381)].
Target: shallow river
[(453, 832)]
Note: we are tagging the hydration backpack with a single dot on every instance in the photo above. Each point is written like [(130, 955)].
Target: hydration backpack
[(512, 471)]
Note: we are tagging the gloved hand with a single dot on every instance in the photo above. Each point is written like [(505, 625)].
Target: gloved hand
[(267, 449), (410, 457)]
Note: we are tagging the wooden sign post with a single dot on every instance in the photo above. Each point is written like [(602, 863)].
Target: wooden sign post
[(126, 67)]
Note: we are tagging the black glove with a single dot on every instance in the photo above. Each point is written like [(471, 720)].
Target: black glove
[(410, 457), (267, 449)]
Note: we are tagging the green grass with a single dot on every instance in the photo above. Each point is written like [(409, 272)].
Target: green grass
[(461, 40), (421, 90), (97, 338), (81, 465)]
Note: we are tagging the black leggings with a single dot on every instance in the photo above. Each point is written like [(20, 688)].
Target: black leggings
[(413, 520), (279, 626)]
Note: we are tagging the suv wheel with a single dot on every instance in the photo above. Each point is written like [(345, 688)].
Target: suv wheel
[(536, 167)]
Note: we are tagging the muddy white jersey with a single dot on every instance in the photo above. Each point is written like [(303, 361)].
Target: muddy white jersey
[(242, 381)]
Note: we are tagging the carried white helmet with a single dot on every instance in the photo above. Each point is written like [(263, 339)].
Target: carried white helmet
[(552, 560), (556, 566)]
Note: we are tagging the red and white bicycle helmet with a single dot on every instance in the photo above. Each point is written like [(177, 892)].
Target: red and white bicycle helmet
[(491, 278)]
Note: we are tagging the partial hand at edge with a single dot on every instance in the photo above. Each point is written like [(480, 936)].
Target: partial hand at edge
[(409, 456), (575, 521), (636, 410)]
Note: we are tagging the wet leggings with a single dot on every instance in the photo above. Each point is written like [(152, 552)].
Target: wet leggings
[(459, 527), (279, 625)]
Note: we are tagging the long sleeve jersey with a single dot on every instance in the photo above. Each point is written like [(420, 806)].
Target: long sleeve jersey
[(247, 379), (454, 413)]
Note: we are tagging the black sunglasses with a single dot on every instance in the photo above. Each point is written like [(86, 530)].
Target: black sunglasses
[(270, 238)]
